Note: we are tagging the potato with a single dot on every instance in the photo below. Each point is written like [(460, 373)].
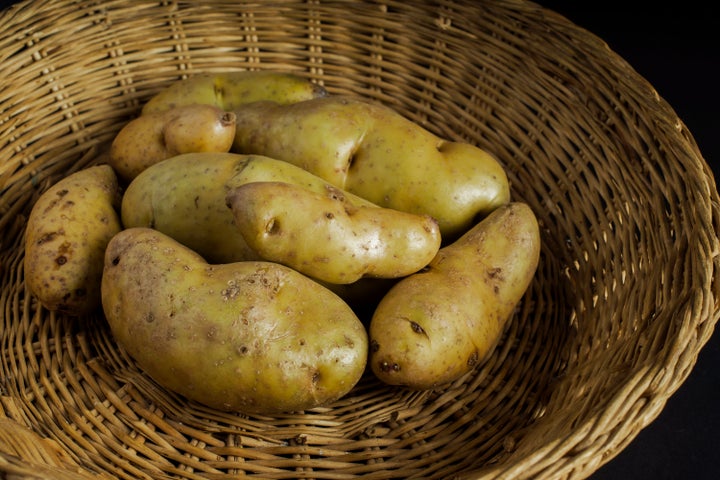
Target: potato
[(184, 197), (434, 326), (151, 138), (254, 337), (373, 152), (330, 237), (65, 238), (229, 90)]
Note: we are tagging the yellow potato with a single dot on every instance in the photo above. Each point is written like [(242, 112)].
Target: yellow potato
[(436, 325), (230, 90), (151, 138), (255, 337), (373, 152), (67, 232), (328, 236), (185, 198)]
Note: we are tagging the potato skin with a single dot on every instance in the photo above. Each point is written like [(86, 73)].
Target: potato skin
[(254, 337), (229, 90), (432, 327), (184, 197), (67, 232), (151, 138), (327, 236), (373, 152)]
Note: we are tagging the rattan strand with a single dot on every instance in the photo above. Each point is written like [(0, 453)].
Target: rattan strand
[(624, 299)]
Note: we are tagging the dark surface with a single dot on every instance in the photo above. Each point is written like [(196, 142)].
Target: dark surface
[(676, 49)]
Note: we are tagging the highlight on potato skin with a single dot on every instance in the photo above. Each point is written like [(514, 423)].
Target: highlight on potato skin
[(438, 324)]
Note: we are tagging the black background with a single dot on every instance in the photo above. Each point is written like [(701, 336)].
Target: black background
[(675, 47)]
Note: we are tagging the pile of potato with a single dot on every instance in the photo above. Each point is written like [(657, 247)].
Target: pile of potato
[(243, 221)]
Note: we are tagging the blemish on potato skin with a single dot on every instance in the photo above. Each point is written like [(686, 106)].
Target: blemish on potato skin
[(495, 275), (48, 237), (272, 227), (416, 328), (231, 292), (473, 359), (212, 332)]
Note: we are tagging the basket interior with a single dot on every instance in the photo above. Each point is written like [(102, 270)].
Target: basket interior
[(623, 299)]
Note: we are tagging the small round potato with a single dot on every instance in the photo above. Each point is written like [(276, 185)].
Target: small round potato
[(151, 138)]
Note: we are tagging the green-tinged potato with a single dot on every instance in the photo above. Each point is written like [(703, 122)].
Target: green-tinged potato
[(67, 232), (374, 152), (151, 138), (184, 197), (329, 237), (434, 326), (255, 337), (230, 90)]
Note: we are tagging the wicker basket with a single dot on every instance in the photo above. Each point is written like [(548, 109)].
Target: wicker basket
[(624, 299)]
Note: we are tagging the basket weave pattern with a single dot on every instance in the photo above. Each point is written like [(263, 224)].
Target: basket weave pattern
[(624, 298)]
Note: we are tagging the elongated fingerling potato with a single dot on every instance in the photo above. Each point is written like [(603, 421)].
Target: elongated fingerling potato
[(232, 89), (329, 237), (438, 324), (375, 153), (65, 238)]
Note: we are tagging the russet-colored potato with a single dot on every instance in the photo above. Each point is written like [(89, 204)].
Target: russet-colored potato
[(65, 238)]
